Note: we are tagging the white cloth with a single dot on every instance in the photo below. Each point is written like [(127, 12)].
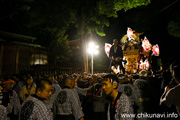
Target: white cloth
[(35, 109), (56, 90), (14, 104), (67, 103), (124, 106), (3, 113), (172, 97)]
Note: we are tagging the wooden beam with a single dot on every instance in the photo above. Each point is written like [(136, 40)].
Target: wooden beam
[(17, 60)]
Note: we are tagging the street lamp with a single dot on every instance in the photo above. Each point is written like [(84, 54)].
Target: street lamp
[(92, 49)]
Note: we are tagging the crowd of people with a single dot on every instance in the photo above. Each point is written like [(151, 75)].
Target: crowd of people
[(90, 97)]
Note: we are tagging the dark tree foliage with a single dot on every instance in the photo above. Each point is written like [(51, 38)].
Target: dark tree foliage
[(49, 20)]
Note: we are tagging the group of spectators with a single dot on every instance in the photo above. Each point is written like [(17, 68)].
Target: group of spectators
[(89, 97)]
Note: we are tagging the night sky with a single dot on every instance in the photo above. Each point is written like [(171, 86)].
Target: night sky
[(152, 19)]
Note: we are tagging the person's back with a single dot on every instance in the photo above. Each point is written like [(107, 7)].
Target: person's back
[(20, 85), (34, 108), (98, 94), (145, 95), (3, 113), (67, 104), (56, 88), (99, 102), (129, 90), (3, 110)]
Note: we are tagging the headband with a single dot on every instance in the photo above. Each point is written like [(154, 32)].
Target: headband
[(8, 81), (110, 78)]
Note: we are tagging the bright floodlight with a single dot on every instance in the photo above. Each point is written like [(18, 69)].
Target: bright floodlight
[(89, 51), (91, 45), (95, 52), (92, 49)]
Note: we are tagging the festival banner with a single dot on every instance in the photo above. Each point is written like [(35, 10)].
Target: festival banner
[(107, 48)]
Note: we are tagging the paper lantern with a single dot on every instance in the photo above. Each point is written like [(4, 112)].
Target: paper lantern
[(130, 34), (146, 62), (155, 50), (144, 65), (141, 64), (107, 48), (145, 44)]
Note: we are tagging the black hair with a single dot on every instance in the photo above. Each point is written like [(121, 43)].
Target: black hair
[(112, 78), (115, 40), (41, 84), (28, 77), (6, 79), (16, 75)]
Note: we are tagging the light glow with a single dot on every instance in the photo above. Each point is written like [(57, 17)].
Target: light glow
[(92, 48)]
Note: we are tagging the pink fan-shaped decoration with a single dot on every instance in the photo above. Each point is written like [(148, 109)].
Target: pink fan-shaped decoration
[(155, 50), (130, 33), (145, 44)]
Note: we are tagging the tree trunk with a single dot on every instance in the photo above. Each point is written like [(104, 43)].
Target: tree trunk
[(84, 54)]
